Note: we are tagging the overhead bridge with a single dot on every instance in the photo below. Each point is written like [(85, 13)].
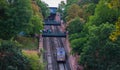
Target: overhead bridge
[(53, 35), (52, 22)]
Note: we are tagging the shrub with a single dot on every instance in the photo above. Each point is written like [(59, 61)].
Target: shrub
[(100, 53), (34, 59), (11, 57), (75, 26)]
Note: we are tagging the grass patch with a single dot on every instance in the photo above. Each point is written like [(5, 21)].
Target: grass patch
[(27, 42)]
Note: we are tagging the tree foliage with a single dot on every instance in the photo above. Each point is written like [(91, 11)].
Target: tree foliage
[(78, 44), (75, 26), (44, 8), (82, 10), (100, 53), (37, 24), (11, 57), (15, 17), (73, 13), (61, 7), (115, 4), (92, 43), (36, 9), (20, 15), (82, 2), (103, 14), (115, 34), (70, 2), (90, 9), (34, 59), (36, 21)]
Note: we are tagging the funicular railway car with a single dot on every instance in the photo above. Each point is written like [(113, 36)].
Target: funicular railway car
[(61, 55)]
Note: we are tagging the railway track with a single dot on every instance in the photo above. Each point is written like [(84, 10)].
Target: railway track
[(50, 46), (64, 65), (61, 43), (48, 55)]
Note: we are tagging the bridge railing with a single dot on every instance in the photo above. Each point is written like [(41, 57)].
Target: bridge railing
[(51, 22), (60, 34)]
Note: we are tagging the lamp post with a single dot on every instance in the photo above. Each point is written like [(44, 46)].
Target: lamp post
[(62, 12)]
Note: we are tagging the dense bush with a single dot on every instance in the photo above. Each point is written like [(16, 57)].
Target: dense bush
[(74, 36), (89, 10), (97, 51), (44, 8), (78, 44), (103, 14), (15, 17), (75, 26), (21, 15), (11, 57), (34, 59), (100, 53)]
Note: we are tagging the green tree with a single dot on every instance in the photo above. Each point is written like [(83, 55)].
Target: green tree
[(90, 10), (100, 53), (61, 6), (67, 6), (34, 60), (36, 21), (70, 2), (78, 45), (44, 8), (15, 18), (116, 33), (37, 24), (11, 57), (75, 26), (103, 14), (71, 14), (115, 4), (82, 2), (97, 51)]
